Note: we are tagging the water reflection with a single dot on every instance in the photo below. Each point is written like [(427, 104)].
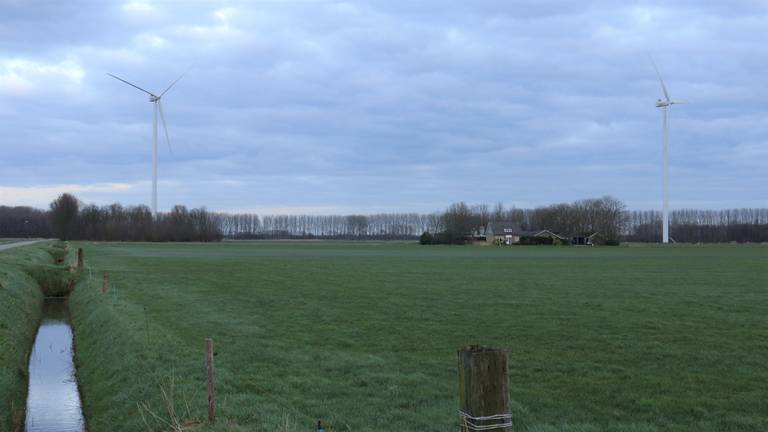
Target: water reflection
[(53, 403)]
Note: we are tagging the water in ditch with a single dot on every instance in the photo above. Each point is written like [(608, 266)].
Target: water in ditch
[(53, 402)]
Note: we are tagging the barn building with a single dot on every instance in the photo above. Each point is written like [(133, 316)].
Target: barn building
[(509, 234), (587, 239)]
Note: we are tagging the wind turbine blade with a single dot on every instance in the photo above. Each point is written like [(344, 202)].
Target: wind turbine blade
[(174, 83), (165, 127), (132, 85), (663, 87)]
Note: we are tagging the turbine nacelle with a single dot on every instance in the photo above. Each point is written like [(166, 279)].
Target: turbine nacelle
[(665, 103), (153, 98)]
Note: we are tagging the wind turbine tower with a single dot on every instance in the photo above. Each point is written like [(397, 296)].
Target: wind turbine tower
[(157, 107), (665, 105)]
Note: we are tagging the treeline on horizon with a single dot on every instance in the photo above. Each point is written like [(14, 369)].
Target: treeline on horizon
[(70, 219)]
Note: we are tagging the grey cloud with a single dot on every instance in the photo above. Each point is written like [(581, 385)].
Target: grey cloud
[(404, 104)]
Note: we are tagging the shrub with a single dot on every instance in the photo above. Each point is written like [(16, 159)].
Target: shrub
[(426, 238)]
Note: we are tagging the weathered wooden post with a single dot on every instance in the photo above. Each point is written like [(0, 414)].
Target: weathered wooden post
[(105, 283), (483, 390), (79, 258), (211, 386)]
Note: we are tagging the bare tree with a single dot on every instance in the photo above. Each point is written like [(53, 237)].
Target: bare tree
[(64, 211), (458, 221), (357, 225)]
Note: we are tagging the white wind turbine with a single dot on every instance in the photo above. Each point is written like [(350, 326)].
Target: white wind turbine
[(666, 105), (157, 107)]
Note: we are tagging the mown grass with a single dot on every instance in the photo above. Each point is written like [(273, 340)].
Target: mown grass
[(363, 335), (20, 309)]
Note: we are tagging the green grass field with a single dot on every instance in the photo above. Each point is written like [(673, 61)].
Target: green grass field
[(364, 335)]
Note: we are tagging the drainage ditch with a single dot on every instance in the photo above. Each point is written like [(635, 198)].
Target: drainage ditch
[(53, 398)]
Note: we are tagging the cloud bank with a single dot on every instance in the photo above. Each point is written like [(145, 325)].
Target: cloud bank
[(364, 106)]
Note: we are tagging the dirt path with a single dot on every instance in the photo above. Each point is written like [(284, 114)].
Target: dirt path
[(17, 244)]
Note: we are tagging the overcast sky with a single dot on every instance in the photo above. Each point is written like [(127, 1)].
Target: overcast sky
[(397, 105)]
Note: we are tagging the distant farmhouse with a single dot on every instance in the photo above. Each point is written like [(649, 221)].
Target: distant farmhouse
[(505, 233)]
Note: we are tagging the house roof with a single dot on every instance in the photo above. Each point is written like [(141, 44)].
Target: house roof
[(501, 228), (548, 233), (507, 228), (587, 235)]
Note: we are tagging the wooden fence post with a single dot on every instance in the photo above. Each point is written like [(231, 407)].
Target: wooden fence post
[(211, 386), (483, 390), (105, 283), (79, 258)]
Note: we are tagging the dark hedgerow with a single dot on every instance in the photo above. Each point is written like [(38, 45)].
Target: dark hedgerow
[(528, 240)]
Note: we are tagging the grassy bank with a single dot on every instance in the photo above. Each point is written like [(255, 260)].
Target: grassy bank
[(21, 271), (363, 335)]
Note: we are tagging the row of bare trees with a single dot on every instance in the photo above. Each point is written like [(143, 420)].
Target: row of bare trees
[(384, 226), (701, 226), (70, 219), (606, 215), (609, 217), (24, 222)]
